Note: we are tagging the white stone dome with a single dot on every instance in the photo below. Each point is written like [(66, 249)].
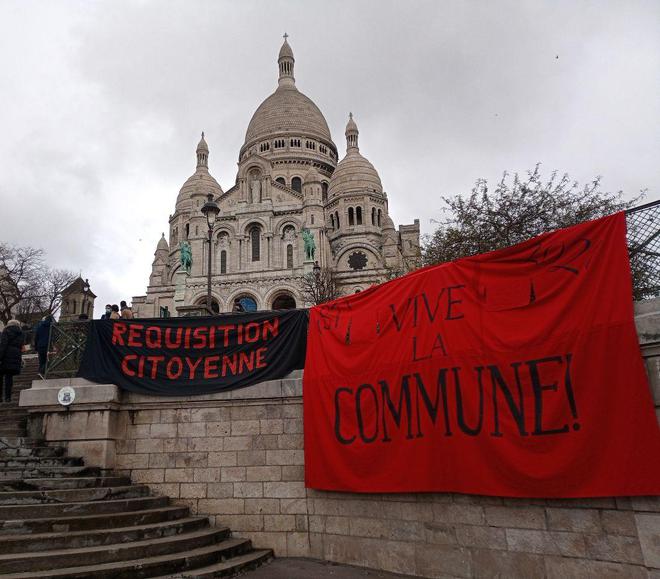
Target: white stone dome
[(200, 183), (287, 110), (354, 173)]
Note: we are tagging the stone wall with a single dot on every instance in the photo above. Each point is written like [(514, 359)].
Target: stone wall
[(238, 458)]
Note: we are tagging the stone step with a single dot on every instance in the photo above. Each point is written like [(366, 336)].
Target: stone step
[(48, 471), (229, 568), (45, 451), (123, 554), (82, 482), (24, 462), (175, 563), (36, 497), (75, 523), (96, 537), (41, 511)]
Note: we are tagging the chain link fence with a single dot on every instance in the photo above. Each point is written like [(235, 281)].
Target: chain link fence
[(644, 249)]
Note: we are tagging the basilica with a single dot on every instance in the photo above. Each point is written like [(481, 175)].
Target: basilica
[(290, 185)]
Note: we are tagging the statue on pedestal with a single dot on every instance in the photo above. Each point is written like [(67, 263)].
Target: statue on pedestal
[(186, 256), (310, 246)]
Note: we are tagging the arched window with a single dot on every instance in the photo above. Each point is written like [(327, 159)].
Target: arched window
[(324, 191), (379, 214), (289, 256), (223, 261), (358, 215), (337, 219), (373, 216), (296, 184), (281, 181), (215, 306), (255, 240), (248, 302), (351, 219), (332, 220), (196, 229), (187, 230), (312, 219), (73, 306)]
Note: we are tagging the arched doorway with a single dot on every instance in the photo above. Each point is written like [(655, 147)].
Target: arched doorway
[(284, 301)]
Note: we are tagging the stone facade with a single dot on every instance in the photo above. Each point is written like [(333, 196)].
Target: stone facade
[(289, 179), (238, 457)]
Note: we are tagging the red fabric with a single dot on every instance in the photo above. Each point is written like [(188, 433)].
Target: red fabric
[(514, 373)]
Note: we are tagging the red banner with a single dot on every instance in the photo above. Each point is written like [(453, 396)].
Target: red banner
[(513, 373)]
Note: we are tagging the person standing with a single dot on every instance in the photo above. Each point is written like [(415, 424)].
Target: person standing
[(114, 314), (11, 345), (126, 312), (41, 339), (108, 312)]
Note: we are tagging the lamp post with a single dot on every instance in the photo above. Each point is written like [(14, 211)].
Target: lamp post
[(85, 290), (210, 210)]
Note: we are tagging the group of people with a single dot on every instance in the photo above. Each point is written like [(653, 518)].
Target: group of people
[(12, 340), (117, 312)]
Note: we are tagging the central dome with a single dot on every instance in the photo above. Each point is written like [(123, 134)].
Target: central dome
[(287, 110)]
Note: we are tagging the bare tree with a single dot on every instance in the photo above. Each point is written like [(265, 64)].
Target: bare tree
[(516, 209), (27, 286), (319, 286), (20, 269), (53, 283)]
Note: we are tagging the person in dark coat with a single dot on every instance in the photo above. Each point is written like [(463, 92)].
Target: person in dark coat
[(41, 337), (11, 352)]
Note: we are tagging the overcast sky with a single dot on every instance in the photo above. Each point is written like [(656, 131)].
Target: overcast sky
[(102, 103)]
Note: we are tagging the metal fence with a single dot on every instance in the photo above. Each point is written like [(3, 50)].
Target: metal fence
[(68, 339), (66, 346), (644, 249)]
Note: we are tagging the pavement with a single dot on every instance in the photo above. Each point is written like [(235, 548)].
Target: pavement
[(293, 568)]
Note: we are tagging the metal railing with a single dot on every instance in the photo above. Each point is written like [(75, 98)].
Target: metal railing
[(644, 249), (66, 346)]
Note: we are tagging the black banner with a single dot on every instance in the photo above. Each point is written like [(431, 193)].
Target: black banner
[(182, 356)]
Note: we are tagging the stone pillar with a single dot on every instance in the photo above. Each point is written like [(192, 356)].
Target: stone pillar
[(89, 427)]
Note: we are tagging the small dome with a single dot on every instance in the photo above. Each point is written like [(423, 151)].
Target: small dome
[(351, 126), (200, 183), (162, 244), (354, 174), (285, 51), (312, 176), (202, 146)]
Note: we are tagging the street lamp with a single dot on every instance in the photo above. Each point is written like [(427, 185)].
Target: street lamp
[(210, 210), (85, 290)]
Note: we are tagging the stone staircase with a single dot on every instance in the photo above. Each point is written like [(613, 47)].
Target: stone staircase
[(60, 518)]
